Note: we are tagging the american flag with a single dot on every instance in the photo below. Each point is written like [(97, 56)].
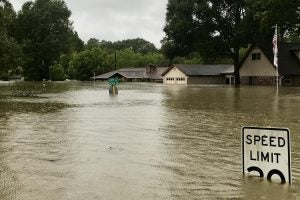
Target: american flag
[(275, 48), (2, 4)]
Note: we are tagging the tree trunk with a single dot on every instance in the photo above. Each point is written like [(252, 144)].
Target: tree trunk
[(236, 61)]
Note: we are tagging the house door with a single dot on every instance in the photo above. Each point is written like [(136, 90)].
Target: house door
[(250, 80)]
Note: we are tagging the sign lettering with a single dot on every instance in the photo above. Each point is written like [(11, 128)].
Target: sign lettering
[(266, 151)]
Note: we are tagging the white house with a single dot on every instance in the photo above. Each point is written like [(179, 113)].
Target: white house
[(182, 74), (257, 66)]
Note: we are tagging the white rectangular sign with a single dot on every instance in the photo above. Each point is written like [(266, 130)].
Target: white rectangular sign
[(267, 152)]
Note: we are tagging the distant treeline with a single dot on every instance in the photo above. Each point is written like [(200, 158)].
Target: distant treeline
[(39, 42)]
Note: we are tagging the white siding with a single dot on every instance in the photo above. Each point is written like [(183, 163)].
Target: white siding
[(175, 77), (262, 67)]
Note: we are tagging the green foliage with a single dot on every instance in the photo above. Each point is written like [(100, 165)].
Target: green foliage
[(180, 30), (138, 45), (10, 56), (293, 37), (45, 32), (29, 89), (10, 50), (99, 60), (89, 61), (266, 13), (57, 72), (128, 58), (243, 52), (92, 43)]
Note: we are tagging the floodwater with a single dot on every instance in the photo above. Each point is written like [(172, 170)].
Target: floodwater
[(149, 142)]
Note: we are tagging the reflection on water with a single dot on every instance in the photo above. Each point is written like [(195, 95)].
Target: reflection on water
[(149, 142)]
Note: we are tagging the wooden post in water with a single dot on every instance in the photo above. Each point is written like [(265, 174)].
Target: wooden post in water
[(113, 90)]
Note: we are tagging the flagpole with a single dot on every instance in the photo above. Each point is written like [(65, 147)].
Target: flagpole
[(275, 52), (277, 59)]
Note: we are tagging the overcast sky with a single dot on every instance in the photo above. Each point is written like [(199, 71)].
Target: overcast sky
[(116, 19)]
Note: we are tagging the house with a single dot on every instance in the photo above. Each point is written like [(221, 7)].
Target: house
[(257, 66), (183, 74), (148, 73)]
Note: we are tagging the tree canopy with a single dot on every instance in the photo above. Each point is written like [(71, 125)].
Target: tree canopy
[(138, 45), (45, 32), (10, 50)]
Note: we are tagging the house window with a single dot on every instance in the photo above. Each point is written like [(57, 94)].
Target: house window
[(180, 79), (256, 56), (170, 79)]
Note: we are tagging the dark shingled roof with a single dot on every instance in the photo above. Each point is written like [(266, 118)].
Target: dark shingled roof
[(104, 76), (156, 75), (133, 73), (288, 63), (202, 70)]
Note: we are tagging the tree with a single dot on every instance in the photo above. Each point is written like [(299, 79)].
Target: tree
[(138, 45), (57, 72), (89, 61), (92, 43), (45, 32), (266, 13), (10, 51), (180, 29)]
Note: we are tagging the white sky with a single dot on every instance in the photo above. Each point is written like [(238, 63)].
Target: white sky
[(114, 20)]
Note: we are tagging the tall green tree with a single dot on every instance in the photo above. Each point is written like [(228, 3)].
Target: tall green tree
[(89, 61), (92, 43), (45, 32), (10, 50), (138, 45), (266, 13), (180, 29)]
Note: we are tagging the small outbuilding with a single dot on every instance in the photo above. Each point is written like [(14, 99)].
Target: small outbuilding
[(183, 74)]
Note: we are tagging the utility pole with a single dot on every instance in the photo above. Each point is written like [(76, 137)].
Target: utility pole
[(94, 79), (115, 60)]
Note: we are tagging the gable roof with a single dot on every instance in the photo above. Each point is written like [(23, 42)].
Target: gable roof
[(156, 75), (104, 76), (288, 63), (125, 72), (202, 70), (133, 73)]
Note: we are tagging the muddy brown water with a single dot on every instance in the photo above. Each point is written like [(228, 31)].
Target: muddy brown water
[(149, 142)]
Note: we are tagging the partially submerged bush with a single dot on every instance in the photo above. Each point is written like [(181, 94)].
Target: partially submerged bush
[(28, 90)]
